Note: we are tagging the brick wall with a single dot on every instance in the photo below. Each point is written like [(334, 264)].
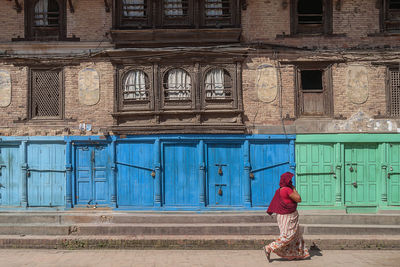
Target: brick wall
[(12, 23)]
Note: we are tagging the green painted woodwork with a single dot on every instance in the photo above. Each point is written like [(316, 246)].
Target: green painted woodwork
[(393, 175), (361, 173), (324, 178), (347, 138), (316, 179)]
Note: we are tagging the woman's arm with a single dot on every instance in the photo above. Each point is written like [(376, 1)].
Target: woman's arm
[(295, 196)]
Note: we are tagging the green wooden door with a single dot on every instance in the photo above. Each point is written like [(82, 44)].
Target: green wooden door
[(393, 182), (315, 179), (361, 170)]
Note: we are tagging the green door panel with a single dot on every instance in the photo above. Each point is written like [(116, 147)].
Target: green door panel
[(362, 169), (315, 179), (393, 179)]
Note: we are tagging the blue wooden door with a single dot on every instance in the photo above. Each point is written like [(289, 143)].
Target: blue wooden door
[(46, 174), (135, 183), (268, 162), (10, 176), (181, 179), (91, 172), (224, 174)]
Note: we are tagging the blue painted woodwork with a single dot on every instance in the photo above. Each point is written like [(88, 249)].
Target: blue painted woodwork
[(10, 176), (135, 183), (180, 173), (45, 174), (92, 173), (268, 161), (225, 174)]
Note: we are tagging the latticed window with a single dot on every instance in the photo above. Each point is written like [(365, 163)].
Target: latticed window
[(176, 8), (394, 93), (177, 85), (46, 96), (218, 84), (136, 86), (134, 9), (391, 19), (217, 11)]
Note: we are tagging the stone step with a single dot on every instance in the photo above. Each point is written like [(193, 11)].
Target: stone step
[(191, 229), (223, 242), (194, 218)]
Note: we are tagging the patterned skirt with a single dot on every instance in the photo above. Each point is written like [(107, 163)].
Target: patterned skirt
[(290, 244)]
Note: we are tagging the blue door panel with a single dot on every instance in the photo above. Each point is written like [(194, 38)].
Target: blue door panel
[(181, 178), (10, 176), (225, 166), (135, 183), (268, 161), (91, 174), (46, 175)]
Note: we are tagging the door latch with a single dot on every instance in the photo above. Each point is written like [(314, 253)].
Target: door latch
[(354, 184)]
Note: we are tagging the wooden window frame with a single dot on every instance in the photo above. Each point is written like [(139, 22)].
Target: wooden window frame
[(134, 105), (385, 20), (196, 16), (197, 101), (326, 27), (389, 100), (30, 31), (327, 89), (219, 103), (61, 94)]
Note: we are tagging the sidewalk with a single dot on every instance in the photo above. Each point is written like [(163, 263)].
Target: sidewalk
[(190, 258)]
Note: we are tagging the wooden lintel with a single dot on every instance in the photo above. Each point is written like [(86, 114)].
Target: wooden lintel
[(107, 6), (71, 6)]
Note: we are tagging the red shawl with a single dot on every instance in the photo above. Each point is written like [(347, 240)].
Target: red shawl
[(277, 205)]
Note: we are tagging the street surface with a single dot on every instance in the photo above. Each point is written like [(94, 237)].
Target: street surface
[(192, 258)]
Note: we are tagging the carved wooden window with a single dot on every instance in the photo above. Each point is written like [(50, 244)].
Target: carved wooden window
[(218, 12), (394, 92), (314, 97), (391, 18), (46, 94), (218, 84), (134, 13), (177, 85), (136, 86), (311, 16), (45, 19), (176, 13)]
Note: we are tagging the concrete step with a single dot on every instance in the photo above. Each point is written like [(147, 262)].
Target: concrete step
[(224, 242), (191, 229), (190, 217)]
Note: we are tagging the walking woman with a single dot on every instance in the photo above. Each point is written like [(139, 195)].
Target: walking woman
[(290, 244)]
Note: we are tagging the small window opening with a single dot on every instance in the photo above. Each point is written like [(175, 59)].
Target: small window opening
[(134, 8), (218, 84), (176, 8), (394, 92), (177, 85), (394, 4), (311, 80), (47, 13), (136, 86), (310, 12)]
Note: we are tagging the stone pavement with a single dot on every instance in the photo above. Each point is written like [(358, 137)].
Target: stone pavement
[(190, 258)]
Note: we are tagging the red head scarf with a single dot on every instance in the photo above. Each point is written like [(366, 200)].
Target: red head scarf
[(277, 205)]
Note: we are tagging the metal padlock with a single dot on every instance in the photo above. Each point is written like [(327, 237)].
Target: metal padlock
[(220, 191)]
